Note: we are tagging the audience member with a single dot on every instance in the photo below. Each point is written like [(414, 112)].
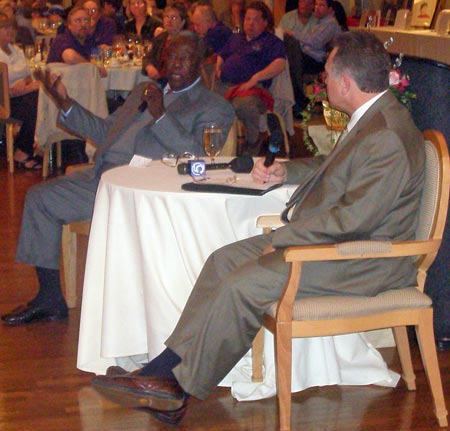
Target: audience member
[(204, 22), (295, 24), (246, 66), (113, 9), (101, 28), (174, 20), (23, 92), (142, 24), (233, 17), (172, 120), (307, 51), (24, 36), (73, 44), (340, 15), (371, 181)]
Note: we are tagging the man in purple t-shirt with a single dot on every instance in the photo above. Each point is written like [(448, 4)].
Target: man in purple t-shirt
[(73, 45), (251, 59)]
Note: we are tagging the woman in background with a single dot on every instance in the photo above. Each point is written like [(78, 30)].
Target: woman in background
[(174, 20), (23, 93), (142, 23)]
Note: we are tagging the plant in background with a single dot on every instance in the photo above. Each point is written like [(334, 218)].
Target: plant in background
[(399, 84)]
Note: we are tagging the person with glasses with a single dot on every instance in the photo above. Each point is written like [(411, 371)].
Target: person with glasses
[(142, 23), (175, 19), (73, 45), (101, 28)]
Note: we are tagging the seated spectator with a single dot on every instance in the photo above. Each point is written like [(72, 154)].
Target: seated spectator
[(204, 22), (24, 35), (23, 92), (171, 120), (340, 15), (73, 45), (101, 28), (233, 17), (307, 51), (245, 68), (142, 23), (174, 20), (113, 9)]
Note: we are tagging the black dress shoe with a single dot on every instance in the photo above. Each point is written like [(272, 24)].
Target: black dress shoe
[(34, 313), (157, 393)]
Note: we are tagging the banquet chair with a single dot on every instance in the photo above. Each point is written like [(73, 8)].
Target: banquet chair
[(72, 249), (396, 308), (5, 116)]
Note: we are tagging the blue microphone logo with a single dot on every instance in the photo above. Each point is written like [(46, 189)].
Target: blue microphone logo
[(198, 168)]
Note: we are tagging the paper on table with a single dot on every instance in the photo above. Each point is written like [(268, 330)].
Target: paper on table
[(140, 162)]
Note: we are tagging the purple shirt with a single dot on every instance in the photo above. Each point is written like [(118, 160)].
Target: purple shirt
[(104, 32), (217, 36), (66, 40), (242, 58)]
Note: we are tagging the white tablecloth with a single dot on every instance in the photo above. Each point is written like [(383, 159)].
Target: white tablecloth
[(123, 78), (148, 242), (83, 84)]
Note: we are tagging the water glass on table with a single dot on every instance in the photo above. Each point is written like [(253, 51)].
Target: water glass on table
[(212, 140)]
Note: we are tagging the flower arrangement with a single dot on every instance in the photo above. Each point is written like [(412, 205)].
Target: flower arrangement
[(399, 84)]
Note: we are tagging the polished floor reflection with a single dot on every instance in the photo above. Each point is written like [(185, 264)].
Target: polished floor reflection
[(41, 389)]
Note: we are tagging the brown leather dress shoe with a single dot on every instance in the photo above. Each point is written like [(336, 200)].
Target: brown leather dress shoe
[(157, 393)]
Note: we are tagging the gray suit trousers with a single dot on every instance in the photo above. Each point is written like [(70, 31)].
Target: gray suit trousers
[(224, 312), (48, 206)]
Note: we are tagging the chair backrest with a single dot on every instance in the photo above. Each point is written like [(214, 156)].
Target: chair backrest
[(435, 195), (5, 109)]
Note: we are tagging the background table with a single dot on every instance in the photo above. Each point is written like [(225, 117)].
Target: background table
[(148, 242)]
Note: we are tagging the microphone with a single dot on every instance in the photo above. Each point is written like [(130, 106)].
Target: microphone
[(240, 165), (276, 139), (143, 106)]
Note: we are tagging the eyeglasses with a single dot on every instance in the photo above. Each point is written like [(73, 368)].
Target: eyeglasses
[(91, 10), (171, 17), (137, 3), (172, 160), (81, 20)]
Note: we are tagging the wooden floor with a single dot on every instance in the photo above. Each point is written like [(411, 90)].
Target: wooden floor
[(42, 390)]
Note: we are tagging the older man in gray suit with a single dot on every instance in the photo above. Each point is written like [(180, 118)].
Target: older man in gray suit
[(150, 123), (369, 187)]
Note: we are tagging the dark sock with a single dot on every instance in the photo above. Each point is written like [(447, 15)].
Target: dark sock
[(50, 293), (162, 365)]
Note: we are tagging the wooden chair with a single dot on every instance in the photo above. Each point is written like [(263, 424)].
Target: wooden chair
[(5, 116), (71, 249), (396, 309)]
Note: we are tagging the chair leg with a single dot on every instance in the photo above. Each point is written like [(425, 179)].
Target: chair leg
[(425, 337), (69, 255), (283, 356), (10, 147), (46, 160), (257, 356), (401, 340)]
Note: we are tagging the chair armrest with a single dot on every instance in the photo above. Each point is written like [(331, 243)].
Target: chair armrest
[(344, 251), (269, 222), (360, 250)]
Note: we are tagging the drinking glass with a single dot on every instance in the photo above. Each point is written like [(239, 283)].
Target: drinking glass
[(29, 52), (212, 140)]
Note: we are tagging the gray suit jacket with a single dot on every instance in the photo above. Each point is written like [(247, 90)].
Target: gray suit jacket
[(180, 130), (370, 189)]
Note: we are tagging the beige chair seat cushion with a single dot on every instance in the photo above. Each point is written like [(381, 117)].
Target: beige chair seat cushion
[(336, 307)]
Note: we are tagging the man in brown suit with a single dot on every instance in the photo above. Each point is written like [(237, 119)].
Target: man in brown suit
[(369, 187)]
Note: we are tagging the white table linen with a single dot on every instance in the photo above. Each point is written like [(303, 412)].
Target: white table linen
[(123, 78), (148, 242), (84, 85)]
